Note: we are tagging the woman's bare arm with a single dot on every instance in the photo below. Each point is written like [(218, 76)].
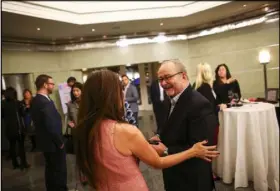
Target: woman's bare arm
[(139, 147)]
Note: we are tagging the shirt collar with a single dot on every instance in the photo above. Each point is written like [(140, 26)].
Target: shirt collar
[(176, 98)]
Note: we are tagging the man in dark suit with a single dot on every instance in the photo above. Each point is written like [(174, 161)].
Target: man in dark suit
[(131, 96), (49, 134), (158, 98), (190, 119)]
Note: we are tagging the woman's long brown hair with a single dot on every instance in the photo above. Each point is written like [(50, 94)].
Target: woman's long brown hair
[(102, 98)]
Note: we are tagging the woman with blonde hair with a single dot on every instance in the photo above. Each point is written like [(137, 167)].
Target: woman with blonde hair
[(204, 85)]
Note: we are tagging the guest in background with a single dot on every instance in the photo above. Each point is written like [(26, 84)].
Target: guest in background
[(131, 96), (49, 137), (12, 113), (70, 82), (28, 123), (225, 87), (159, 99), (204, 85), (108, 146), (4, 140), (73, 108)]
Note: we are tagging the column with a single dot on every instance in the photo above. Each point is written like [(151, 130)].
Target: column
[(122, 70), (143, 87)]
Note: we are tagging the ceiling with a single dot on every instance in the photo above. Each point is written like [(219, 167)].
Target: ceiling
[(24, 28), (93, 12)]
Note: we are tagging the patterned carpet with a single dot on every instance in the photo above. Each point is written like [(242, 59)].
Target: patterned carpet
[(33, 179)]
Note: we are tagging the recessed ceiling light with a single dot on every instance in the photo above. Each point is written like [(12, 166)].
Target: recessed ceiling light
[(92, 30), (161, 24), (244, 5), (266, 9), (104, 36), (38, 29)]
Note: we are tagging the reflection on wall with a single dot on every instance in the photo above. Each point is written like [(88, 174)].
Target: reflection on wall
[(3, 83), (17, 81)]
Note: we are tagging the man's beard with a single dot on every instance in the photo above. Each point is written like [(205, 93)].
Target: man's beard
[(49, 91)]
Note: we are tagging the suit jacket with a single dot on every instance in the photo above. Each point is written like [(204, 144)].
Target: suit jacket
[(159, 107), (132, 97), (48, 124), (191, 121)]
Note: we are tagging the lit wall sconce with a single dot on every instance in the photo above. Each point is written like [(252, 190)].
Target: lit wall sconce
[(264, 59)]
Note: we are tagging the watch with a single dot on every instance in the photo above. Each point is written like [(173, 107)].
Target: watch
[(165, 152)]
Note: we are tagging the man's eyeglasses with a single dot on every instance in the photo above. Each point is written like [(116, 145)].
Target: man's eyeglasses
[(51, 84), (168, 77)]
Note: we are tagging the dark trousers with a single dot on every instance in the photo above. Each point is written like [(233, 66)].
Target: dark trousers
[(55, 170), (17, 145), (135, 115), (33, 141)]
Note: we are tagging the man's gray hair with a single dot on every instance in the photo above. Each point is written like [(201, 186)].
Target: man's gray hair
[(178, 64)]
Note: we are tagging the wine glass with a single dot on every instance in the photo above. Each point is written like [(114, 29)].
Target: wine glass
[(230, 96), (236, 98)]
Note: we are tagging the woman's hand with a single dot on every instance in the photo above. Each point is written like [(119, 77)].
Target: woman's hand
[(205, 152), (230, 80), (71, 124), (222, 106)]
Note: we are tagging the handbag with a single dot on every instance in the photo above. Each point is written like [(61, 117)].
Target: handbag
[(68, 142)]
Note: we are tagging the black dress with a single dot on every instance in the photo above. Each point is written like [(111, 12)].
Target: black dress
[(206, 90), (12, 113), (222, 91)]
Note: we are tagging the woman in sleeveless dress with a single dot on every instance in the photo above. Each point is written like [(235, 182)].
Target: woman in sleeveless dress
[(109, 148)]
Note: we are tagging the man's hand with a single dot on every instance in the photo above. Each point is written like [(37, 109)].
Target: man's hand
[(160, 148), (71, 124), (62, 146)]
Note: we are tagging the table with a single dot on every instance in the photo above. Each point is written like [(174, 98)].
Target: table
[(249, 146)]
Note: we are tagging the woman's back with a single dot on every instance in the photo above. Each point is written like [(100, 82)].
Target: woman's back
[(115, 171)]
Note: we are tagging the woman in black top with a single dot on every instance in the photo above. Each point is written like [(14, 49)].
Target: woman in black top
[(204, 84), (12, 113), (225, 86)]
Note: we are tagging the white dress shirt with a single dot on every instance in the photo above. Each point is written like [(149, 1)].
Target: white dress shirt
[(175, 99)]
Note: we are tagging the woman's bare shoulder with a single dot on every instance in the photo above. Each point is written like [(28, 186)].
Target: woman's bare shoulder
[(128, 130)]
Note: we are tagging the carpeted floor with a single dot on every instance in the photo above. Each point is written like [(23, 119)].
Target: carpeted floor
[(33, 179)]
